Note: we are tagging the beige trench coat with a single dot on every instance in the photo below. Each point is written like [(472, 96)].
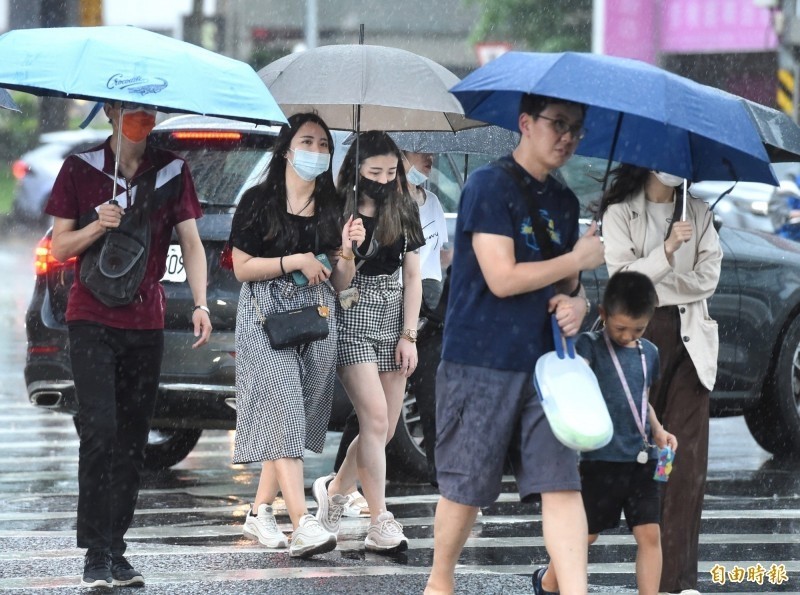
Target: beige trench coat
[(624, 226)]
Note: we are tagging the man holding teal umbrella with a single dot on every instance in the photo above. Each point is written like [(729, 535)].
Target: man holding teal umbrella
[(116, 350)]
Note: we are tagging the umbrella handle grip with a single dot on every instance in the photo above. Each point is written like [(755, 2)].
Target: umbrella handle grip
[(560, 340)]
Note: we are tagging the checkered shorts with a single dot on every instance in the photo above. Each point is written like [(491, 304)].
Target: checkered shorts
[(369, 331), (283, 396)]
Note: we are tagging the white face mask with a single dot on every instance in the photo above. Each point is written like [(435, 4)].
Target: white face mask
[(309, 164), (668, 179), (416, 177)]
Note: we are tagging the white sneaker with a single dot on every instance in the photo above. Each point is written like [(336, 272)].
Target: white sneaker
[(264, 528), (356, 505), (329, 508), (310, 538), (386, 535)]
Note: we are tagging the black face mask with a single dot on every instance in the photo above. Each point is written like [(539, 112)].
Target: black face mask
[(375, 190)]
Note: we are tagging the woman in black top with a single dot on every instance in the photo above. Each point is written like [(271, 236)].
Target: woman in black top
[(377, 335), (283, 396)]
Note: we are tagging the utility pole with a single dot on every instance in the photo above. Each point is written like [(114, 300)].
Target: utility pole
[(53, 111), (311, 24)]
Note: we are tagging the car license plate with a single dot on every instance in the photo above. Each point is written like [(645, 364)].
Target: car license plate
[(175, 271)]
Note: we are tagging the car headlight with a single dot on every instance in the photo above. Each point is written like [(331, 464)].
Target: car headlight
[(760, 207)]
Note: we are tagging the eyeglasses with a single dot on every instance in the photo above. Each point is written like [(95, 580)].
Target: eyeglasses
[(562, 127)]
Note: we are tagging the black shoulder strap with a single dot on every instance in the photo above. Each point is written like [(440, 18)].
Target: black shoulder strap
[(540, 231), (147, 199)]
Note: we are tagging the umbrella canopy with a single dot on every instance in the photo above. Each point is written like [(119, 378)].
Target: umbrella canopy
[(637, 113), (396, 89), (6, 102), (487, 140), (133, 65), (778, 131)]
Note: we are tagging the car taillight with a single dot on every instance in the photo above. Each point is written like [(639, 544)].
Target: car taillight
[(44, 262), (20, 169), (226, 258), (43, 349), (206, 135)]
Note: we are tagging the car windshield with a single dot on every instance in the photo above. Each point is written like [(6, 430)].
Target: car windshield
[(222, 176)]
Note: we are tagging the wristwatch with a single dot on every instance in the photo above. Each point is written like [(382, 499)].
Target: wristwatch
[(410, 334), (203, 308)]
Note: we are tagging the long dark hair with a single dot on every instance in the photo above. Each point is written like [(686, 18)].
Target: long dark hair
[(625, 180), (398, 213), (266, 202)]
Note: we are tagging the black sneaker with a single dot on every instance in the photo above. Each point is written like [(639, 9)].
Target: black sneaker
[(97, 569), (124, 574)]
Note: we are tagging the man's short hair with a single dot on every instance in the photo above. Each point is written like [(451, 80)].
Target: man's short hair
[(534, 105), (630, 293)]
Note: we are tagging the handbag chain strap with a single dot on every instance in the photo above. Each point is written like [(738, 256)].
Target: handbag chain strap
[(261, 316)]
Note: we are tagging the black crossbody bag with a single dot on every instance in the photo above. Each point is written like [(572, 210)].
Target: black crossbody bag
[(113, 268)]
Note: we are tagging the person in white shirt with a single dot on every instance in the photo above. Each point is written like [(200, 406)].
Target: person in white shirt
[(436, 254)]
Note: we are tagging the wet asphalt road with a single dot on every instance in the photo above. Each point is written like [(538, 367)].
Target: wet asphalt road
[(186, 536)]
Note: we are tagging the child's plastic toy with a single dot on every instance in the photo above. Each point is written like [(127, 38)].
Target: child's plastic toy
[(571, 397), (664, 467)]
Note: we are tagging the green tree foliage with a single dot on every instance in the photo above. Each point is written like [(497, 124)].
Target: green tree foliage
[(537, 25)]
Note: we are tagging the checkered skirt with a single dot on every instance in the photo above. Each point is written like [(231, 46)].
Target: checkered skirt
[(283, 396), (369, 331)]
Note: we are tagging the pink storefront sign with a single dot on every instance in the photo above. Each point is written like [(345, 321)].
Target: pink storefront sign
[(629, 29), (645, 29), (704, 26)]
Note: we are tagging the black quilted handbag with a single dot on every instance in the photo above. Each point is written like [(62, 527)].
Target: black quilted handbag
[(294, 327)]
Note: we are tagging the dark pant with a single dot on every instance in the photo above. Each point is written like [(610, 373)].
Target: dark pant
[(681, 403), (116, 375), (423, 383)]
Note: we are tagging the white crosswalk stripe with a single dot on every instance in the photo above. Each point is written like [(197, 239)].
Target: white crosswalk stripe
[(187, 536)]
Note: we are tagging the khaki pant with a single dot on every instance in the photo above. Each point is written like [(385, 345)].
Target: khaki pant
[(681, 403)]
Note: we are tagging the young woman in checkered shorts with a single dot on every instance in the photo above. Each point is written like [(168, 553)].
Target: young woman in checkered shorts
[(377, 333), (283, 396)]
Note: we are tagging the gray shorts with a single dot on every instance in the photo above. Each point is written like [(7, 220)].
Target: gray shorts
[(484, 415)]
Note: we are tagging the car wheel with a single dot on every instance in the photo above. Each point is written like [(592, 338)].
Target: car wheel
[(169, 446), (775, 421), (405, 453)]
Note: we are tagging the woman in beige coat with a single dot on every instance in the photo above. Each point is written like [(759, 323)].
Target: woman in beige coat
[(646, 229)]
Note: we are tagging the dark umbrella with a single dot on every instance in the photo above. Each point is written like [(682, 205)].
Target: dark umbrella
[(6, 102), (778, 131), (488, 140)]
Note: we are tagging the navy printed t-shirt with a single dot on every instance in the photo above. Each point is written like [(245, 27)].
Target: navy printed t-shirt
[(482, 329), (627, 442)]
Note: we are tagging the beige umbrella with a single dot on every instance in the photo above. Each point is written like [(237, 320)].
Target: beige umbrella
[(392, 88)]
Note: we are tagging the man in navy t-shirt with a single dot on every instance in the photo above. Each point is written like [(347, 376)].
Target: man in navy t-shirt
[(518, 258)]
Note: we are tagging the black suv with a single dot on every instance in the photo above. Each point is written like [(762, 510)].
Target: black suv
[(757, 306)]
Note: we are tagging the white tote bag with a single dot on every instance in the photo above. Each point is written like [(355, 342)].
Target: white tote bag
[(571, 397)]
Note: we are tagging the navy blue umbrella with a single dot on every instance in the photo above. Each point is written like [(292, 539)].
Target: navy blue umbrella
[(6, 102), (637, 113)]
